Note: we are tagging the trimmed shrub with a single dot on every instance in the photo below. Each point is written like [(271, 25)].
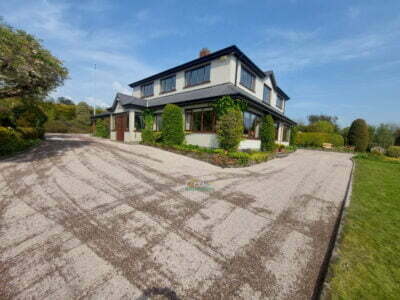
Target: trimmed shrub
[(102, 128), (267, 134), (316, 139), (359, 135), (393, 151), (230, 130), (172, 125), (293, 134), (148, 136), (321, 126)]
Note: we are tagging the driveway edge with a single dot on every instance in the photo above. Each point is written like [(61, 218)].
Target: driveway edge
[(321, 287)]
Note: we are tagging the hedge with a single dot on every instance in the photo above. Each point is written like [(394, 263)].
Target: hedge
[(316, 139), (393, 151), (172, 125), (11, 141), (102, 128)]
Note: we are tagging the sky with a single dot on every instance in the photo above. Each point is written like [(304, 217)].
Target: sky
[(337, 57)]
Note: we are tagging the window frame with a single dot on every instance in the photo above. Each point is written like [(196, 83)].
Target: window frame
[(156, 117), (257, 116), (202, 110), (197, 68), (166, 78), (142, 90), (138, 113), (242, 83), (266, 87), (281, 100)]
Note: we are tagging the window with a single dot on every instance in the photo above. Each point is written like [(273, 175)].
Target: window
[(139, 121), (158, 122), (251, 125), (276, 131), (147, 90), (247, 79), (200, 120), (279, 102), (286, 133), (267, 94), (197, 76), (168, 84)]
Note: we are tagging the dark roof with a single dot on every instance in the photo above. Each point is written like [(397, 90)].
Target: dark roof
[(206, 93), (226, 51), (101, 115)]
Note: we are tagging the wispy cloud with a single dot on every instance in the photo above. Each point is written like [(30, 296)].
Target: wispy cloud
[(353, 12)]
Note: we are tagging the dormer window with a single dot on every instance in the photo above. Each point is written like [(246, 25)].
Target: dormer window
[(147, 90), (279, 102), (247, 79), (267, 94)]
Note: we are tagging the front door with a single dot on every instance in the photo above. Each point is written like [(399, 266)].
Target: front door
[(120, 126)]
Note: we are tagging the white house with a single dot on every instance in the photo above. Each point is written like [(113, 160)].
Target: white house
[(194, 86)]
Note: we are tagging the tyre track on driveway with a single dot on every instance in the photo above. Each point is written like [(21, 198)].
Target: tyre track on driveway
[(85, 218)]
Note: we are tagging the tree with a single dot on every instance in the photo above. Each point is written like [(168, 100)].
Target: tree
[(148, 136), (384, 136), (26, 68), (331, 119), (345, 133), (371, 136), (83, 113), (29, 115), (66, 101), (267, 134), (293, 135), (358, 135), (397, 137), (321, 126), (172, 125), (230, 129)]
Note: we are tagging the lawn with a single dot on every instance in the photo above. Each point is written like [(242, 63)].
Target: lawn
[(368, 264)]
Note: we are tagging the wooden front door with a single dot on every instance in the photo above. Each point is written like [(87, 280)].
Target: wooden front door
[(120, 126)]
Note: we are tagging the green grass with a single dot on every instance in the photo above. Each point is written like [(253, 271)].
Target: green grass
[(368, 266)]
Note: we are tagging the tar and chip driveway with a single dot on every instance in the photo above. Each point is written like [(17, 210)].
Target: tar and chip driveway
[(89, 218)]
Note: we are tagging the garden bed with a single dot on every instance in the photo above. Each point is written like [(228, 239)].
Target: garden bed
[(222, 158)]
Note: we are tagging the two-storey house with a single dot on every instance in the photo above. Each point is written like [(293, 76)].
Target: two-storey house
[(194, 86)]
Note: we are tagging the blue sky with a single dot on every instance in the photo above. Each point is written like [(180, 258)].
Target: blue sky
[(335, 57)]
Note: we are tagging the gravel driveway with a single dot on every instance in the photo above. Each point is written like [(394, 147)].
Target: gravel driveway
[(87, 218)]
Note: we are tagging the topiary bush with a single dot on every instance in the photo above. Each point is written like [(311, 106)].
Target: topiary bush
[(172, 125), (148, 136), (316, 139), (359, 135), (393, 151), (230, 129), (267, 134)]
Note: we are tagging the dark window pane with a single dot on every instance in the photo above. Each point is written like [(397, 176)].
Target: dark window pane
[(197, 76), (139, 121), (208, 120), (247, 79), (147, 90), (267, 94), (168, 84), (279, 102), (251, 123), (196, 123)]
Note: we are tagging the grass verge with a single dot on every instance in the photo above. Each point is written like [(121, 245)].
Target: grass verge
[(368, 264)]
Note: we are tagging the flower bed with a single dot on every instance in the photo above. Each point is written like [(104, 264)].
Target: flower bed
[(221, 157)]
